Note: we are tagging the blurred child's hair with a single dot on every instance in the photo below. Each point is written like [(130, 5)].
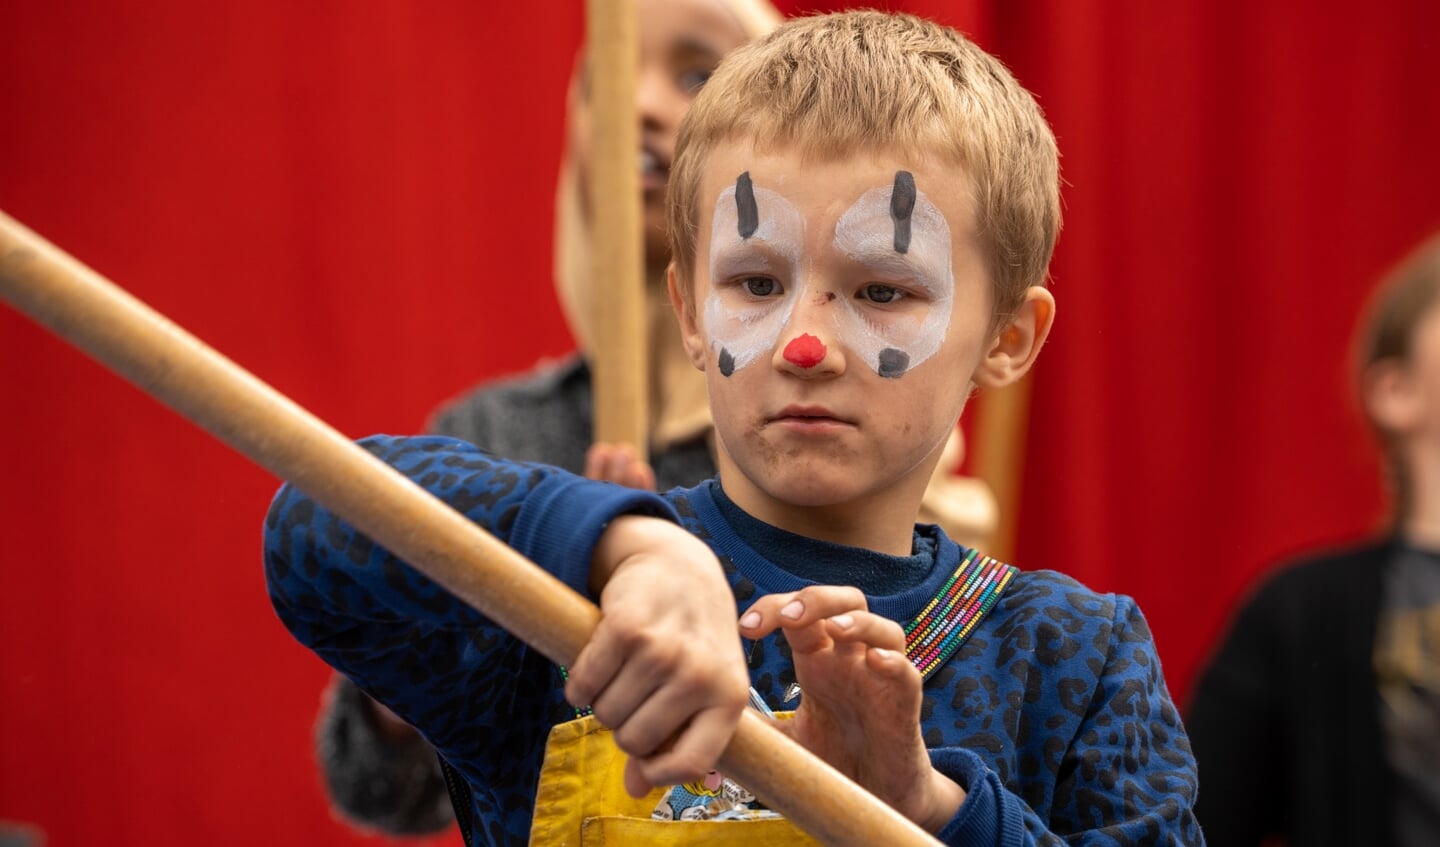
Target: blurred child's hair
[(1406, 296), (855, 83)]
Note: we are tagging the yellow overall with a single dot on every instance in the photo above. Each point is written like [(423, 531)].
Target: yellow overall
[(582, 801)]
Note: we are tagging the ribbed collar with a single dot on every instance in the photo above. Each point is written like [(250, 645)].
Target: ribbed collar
[(897, 586)]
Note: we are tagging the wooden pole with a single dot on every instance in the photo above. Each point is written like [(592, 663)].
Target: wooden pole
[(999, 458), (179, 370), (618, 358)]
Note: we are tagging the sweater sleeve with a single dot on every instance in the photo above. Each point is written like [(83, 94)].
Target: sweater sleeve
[(1127, 776), (394, 785), (437, 663)]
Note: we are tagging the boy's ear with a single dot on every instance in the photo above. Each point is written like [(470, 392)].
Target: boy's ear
[(689, 327), (1390, 396), (1014, 348)]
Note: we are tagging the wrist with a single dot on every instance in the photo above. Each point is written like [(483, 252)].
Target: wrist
[(634, 537), (945, 799)]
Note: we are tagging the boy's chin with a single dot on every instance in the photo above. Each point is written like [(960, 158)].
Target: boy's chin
[(815, 490), (809, 497)]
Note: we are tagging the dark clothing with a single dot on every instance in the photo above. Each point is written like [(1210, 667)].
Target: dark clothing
[(379, 784), (1285, 721), (545, 416)]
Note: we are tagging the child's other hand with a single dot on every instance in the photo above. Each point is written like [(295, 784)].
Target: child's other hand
[(664, 669), (860, 697), (620, 464)]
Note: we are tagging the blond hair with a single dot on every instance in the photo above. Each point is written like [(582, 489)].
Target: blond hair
[(863, 82)]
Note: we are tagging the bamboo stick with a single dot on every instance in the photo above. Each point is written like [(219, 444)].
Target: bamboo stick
[(618, 356), (179, 370)]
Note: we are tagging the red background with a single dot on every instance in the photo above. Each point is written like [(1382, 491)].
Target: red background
[(354, 201)]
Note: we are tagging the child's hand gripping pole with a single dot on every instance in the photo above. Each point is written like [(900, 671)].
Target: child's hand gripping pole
[(179, 370)]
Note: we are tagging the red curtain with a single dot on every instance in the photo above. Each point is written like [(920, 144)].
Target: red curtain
[(354, 201)]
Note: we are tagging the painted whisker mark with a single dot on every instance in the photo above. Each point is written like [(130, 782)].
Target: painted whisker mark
[(893, 363)]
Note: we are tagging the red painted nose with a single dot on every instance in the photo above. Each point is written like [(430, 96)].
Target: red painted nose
[(805, 351)]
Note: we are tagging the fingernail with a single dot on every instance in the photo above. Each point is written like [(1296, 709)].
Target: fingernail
[(750, 619), (887, 655), (843, 621), (794, 610)]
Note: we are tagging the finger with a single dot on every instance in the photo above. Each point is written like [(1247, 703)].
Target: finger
[(640, 475), (903, 682), (890, 664), (593, 670), (805, 640), (636, 785), (626, 468), (596, 458), (801, 608), (693, 754), (616, 705), (621, 458), (763, 615), (659, 702), (866, 628)]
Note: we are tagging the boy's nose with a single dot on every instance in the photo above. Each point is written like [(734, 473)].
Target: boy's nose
[(804, 351), (808, 348)]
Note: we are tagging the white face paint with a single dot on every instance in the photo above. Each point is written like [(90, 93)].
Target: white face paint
[(743, 327), (892, 344), (744, 321)]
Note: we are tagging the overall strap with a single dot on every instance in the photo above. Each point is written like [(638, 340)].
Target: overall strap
[(946, 621), (934, 635), (460, 799)]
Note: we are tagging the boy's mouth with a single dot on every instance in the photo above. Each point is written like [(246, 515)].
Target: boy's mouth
[(810, 418)]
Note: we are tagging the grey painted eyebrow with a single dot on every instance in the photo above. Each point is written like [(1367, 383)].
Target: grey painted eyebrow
[(902, 204), (746, 212)]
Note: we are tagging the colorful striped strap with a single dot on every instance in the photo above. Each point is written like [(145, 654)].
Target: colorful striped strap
[(944, 624)]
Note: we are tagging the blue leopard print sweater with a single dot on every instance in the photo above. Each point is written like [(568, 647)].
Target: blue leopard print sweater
[(1053, 716)]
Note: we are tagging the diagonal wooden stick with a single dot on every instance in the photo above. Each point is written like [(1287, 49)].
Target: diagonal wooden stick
[(180, 371)]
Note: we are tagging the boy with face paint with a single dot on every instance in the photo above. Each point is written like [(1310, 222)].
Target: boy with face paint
[(863, 208)]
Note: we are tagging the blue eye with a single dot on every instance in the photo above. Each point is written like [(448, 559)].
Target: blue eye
[(692, 81), (760, 286), (882, 293)]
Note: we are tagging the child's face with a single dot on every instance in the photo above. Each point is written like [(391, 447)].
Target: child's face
[(1410, 400), (841, 309), (681, 42)]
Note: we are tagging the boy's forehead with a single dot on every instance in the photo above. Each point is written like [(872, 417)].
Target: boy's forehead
[(828, 185)]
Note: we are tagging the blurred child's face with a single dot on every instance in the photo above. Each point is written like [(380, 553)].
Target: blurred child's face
[(840, 311), (681, 43), (1417, 419)]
